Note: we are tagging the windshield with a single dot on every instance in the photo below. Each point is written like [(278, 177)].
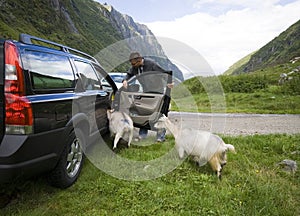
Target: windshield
[(117, 78)]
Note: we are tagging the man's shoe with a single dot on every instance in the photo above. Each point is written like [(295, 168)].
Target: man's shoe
[(139, 138), (160, 140)]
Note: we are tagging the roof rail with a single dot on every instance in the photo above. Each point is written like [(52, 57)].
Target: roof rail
[(27, 39)]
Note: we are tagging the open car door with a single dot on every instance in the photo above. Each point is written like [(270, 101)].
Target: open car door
[(146, 97)]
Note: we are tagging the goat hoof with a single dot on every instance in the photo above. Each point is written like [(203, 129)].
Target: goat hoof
[(219, 174)]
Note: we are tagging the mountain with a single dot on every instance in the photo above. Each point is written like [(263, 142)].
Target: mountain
[(86, 25), (238, 64), (278, 51), (138, 37)]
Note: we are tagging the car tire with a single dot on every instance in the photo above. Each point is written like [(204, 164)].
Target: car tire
[(70, 163)]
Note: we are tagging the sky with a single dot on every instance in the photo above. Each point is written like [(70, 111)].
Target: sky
[(222, 31)]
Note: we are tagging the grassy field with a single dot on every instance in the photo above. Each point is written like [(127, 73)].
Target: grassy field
[(252, 184), (259, 102), (256, 92)]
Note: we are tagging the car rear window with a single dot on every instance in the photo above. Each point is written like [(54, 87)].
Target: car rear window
[(49, 71)]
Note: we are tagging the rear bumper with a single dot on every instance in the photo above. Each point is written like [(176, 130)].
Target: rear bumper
[(26, 169), (27, 156)]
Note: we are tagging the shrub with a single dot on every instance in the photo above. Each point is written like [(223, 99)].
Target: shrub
[(247, 83), (292, 86)]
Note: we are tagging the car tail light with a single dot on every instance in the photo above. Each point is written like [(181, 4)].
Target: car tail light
[(18, 110)]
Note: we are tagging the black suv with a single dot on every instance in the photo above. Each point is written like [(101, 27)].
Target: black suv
[(52, 102)]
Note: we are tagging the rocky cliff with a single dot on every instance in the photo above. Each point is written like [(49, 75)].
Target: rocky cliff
[(140, 38)]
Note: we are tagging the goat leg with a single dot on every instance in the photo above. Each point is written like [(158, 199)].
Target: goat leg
[(130, 138), (117, 137)]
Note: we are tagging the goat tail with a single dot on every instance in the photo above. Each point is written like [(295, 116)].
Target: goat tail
[(127, 128), (230, 148)]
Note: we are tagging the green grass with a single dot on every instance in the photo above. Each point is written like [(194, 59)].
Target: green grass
[(263, 103), (258, 102), (252, 184), (256, 92)]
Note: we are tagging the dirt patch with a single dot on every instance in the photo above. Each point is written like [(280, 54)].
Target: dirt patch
[(239, 124)]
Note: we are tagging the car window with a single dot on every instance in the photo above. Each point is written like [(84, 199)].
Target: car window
[(118, 77), (49, 71), (89, 78), (105, 84), (149, 82)]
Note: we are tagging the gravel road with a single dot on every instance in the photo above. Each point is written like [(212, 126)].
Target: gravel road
[(239, 124)]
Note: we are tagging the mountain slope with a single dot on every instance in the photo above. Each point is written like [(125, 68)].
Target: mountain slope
[(280, 50), (238, 64), (139, 37), (69, 22), (82, 24)]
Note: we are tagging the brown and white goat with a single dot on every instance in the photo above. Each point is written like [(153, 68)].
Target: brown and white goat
[(203, 146)]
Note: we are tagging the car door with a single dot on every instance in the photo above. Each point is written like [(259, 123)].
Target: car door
[(93, 98), (146, 97)]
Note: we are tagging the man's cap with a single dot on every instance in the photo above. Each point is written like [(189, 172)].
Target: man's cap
[(134, 55)]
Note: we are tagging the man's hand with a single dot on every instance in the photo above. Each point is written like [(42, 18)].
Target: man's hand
[(125, 84), (170, 85)]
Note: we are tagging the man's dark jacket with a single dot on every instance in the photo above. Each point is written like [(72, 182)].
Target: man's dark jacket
[(147, 66)]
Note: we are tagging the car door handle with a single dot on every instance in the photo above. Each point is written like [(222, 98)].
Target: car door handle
[(137, 97)]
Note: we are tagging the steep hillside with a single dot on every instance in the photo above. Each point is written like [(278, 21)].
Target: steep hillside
[(74, 23), (83, 24), (280, 50), (238, 64)]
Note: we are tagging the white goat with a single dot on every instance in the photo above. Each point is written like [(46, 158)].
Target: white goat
[(120, 126), (203, 146)]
